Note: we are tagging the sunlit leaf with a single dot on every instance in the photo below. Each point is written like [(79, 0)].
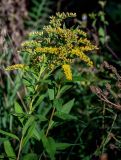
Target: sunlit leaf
[(9, 150), (28, 124), (19, 111)]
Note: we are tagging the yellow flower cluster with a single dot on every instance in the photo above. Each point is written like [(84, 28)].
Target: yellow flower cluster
[(16, 66), (67, 71), (59, 45), (82, 56)]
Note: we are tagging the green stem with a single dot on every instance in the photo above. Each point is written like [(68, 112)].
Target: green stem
[(109, 133), (52, 114), (20, 148), (49, 125)]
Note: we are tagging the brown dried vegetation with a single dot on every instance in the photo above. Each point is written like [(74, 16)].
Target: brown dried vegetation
[(111, 95)]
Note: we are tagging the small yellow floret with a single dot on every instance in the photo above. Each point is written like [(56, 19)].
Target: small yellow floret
[(67, 71)]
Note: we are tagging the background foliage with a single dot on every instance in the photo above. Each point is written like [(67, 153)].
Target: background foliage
[(93, 129)]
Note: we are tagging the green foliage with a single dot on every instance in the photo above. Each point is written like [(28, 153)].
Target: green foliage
[(9, 150), (52, 118), (50, 146), (39, 13), (31, 156), (9, 134)]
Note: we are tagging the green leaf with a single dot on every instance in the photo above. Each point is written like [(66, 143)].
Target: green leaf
[(65, 116), (62, 146), (101, 32), (9, 134), (29, 134), (18, 108), (58, 104), (102, 40), (36, 134), (19, 111), (50, 146), (32, 15), (30, 156), (44, 81), (51, 93), (63, 90), (68, 106), (28, 124), (39, 101), (41, 118), (27, 82), (9, 150), (77, 78)]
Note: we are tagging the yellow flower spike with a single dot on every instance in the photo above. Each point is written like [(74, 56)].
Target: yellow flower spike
[(67, 71), (16, 66), (82, 56)]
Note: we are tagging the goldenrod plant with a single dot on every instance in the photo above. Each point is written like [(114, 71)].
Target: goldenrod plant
[(51, 50), (56, 46)]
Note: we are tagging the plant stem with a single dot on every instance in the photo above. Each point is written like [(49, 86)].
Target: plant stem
[(52, 114), (103, 120), (49, 125), (20, 147)]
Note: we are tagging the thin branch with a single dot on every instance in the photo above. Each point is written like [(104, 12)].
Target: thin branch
[(49, 125)]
